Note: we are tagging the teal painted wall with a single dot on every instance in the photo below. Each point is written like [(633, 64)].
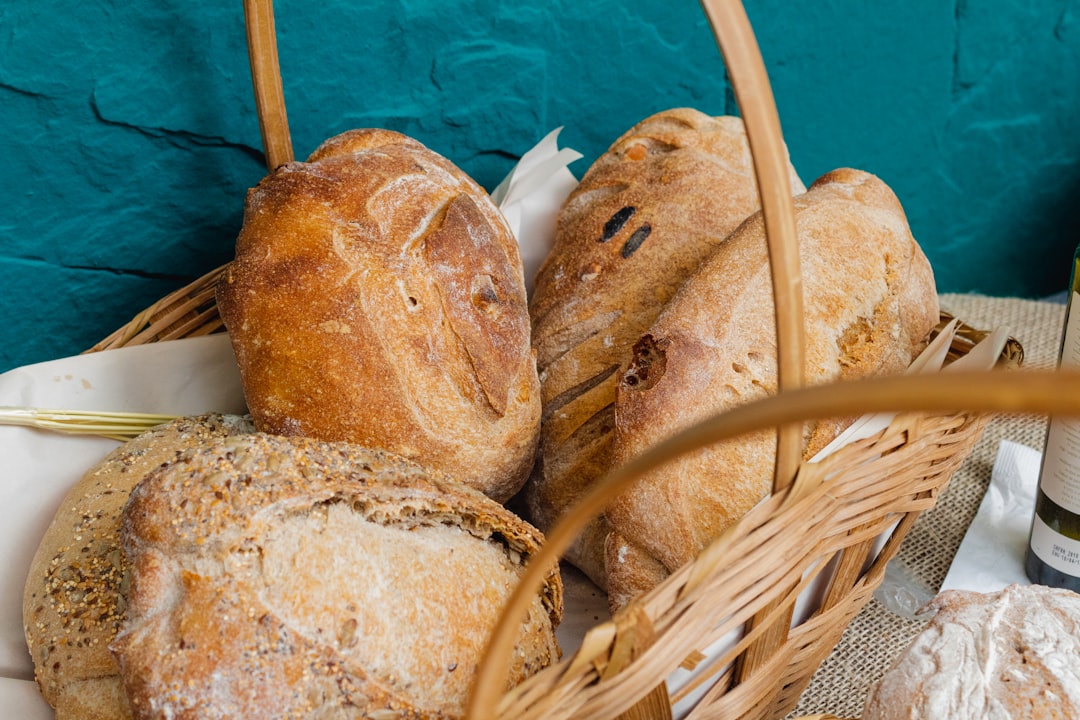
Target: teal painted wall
[(129, 134)]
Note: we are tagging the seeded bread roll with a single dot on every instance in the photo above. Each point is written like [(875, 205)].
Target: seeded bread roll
[(1008, 655), (277, 577), (377, 297), (870, 303), (74, 601), (645, 214)]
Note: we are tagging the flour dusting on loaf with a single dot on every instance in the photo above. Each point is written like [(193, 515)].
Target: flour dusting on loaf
[(278, 577), (1008, 655), (643, 217), (870, 303), (377, 297)]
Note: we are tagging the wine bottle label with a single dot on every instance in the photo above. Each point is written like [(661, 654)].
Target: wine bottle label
[(1060, 478), (1054, 549)]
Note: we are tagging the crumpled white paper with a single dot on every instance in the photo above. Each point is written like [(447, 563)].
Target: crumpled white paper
[(530, 197), (991, 555)]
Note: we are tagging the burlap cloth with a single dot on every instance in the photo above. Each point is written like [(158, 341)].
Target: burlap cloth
[(877, 635)]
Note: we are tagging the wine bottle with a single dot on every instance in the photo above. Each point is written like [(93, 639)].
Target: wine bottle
[(1053, 555)]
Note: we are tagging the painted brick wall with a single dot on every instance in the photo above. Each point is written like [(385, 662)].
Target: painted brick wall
[(129, 133)]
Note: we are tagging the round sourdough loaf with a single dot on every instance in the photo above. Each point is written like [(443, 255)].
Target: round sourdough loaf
[(647, 212), (73, 601), (377, 297), (1008, 655), (279, 577)]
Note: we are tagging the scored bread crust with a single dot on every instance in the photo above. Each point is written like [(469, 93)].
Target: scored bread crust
[(279, 577), (1012, 654), (643, 217), (74, 596), (869, 304), (377, 297)]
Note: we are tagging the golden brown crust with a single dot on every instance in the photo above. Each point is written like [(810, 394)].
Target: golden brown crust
[(73, 600), (288, 577), (870, 302), (377, 297), (644, 216)]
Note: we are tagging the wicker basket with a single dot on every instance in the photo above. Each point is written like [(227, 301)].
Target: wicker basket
[(823, 520)]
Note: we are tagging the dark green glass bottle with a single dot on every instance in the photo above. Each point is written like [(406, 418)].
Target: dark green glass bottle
[(1053, 555)]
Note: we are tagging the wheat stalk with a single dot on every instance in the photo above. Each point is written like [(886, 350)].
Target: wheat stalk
[(115, 425)]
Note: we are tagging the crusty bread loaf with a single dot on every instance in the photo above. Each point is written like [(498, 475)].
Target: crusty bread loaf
[(377, 297), (73, 601), (1008, 655), (643, 217), (278, 577), (870, 303)]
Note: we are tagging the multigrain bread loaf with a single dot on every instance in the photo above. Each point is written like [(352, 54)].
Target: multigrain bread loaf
[(870, 303), (277, 577), (1008, 655), (645, 214), (377, 297), (74, 597)]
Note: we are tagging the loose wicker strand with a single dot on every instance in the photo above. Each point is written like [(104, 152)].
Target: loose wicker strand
[(266, 79), (114, 425)]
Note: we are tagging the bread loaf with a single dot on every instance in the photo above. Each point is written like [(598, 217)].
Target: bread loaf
[(870, 303), (645, 214), (1008, 655), (377, 297), (74, 597), (278, 577)]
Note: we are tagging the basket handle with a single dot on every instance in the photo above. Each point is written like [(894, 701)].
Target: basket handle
[(266, 79), (750, 81)]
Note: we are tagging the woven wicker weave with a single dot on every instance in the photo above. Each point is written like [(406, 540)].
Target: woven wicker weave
[(822, 519)]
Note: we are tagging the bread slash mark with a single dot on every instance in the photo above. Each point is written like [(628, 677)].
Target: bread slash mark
[(569, 395), (615, 224), (635, 240)]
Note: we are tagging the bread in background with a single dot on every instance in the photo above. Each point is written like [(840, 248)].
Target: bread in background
[(870, 303), (1012, 654), (377, 297), (646, 213)]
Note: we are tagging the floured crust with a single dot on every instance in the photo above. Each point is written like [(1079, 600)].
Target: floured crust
[(1010, 655), (642, 219), (287, 577), (73, 601), (869, 304), (377, 297)]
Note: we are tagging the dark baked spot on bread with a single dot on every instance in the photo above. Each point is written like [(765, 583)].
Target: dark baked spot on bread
[(635, 240), (617, 221), (648, 365)]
